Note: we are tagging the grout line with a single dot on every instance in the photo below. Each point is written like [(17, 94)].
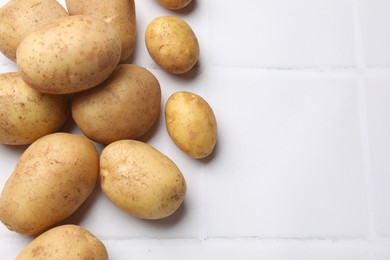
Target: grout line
[(358, 70), (363, 113), (279, 240), (358, 39), (292, 69), (385, 240), (147, 239), (365, 146), (303, 240)]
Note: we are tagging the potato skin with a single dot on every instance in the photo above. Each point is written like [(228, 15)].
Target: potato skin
[(64, 242), (174, 4), (25, 113), (18, 18), (125, 106), (191, 123), (69, 55), (140, 180), (120, 14), (172, 44), (51, 180)]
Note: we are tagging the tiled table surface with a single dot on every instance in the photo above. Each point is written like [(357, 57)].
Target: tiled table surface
[(301, 91)]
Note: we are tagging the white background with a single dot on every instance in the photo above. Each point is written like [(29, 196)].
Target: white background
[(301, 92)]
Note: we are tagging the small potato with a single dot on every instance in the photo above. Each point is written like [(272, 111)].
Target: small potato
[(69, 55), (64, 242), (141, 180), (52, 178), (174, 4), (120, 14), (125, 106), (172, 44), (25, 113), (18, 18), (191, 124)]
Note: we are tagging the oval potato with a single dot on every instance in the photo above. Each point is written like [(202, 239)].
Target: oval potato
[(51, 180), (172, 44), (18, 18), (64, 242), (174, 4), (69, 55), (191, 123), (25, 113), (125, 106), (120, 14), (141, 180)]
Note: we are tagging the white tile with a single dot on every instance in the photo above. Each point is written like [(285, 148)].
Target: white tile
[(382, 252), (375, 25), (6, 65), (173, 249), (288, 162), (11, 247), (378, 116), (284, 250), (281, 33)]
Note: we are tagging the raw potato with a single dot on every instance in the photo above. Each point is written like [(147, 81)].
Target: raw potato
[(191, 124), (68, 55), (141, 180), (51, 180), (18, 18), (26, 114), (174, 4), (125, 106), (120, 14), (64, 242), (172, 44)]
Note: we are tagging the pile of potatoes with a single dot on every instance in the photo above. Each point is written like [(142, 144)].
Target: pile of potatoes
[(71, 62)]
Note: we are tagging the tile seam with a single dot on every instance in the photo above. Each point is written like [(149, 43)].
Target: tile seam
[(364, 135)]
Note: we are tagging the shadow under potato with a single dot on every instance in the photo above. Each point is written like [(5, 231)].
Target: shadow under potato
[(16, 149), (191, 7)]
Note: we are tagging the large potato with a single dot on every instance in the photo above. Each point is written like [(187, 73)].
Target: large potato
[(141, 180), (174, 4), (65, 242), (120, 14), (172, 44), (51, 180), (125, 106), (25, 113), (68, 55), (191, 124), (18, 18)]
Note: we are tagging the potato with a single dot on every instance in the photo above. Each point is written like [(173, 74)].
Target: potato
[(174, 4), (68, 55), (125, 106), (51, 180), (65, 242), (18, 18), (172, 44), (191, 124), (141, 180), (120, 14), (26, 114)]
